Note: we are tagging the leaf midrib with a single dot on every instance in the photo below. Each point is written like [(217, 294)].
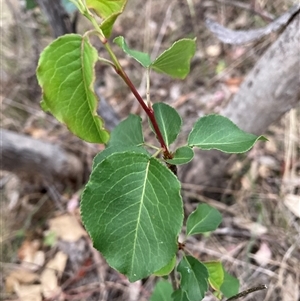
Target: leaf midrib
[(139, 215)]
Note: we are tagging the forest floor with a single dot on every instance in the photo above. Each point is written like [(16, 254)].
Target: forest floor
[(45, 249)]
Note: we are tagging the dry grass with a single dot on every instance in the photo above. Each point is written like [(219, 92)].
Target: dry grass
[(254, 205)]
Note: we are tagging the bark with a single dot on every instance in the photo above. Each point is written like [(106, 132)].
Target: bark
[(33, 158), (270, 90), (57, 16)]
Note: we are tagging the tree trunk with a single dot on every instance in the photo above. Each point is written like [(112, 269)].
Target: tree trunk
[(271, 89), (33, 158), (57, 16)]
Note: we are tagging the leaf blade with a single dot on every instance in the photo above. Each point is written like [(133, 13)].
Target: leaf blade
[(205, 218), (128, 132), (194, 278), (168, 120), (230, 286), (216, 274), (175, 61), (162, 291), (141, 57), (66, 74), (182, 155), (106, 8), (135, 202), (218, 132), (109, 11)]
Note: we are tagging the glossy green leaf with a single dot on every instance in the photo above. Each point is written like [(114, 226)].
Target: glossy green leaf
[(166, 270), (141, 57), (128, 132), (194, 278), (216, 274), (162, 291), (106, 8), (175, 61), (230, 286), (132, 209), (218, 132), (168, 120), (180, 295), (182, 155), (66, 74), (205, 218), (117, 149)]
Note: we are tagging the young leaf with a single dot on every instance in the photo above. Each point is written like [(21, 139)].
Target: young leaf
[(216, 274), (162, 291), (180, 295), (106, 8), (218, 132), (109, 11), (168, 120), (108, 23), (128, 132), (166, 270), (66, 74), (117, 149), (141, 57), (230, 286), (175, 61), (182, 155), (205, 218), (132, 209), (194, 276)]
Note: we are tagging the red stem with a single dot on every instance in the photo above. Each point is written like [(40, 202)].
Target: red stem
[(149, 112)]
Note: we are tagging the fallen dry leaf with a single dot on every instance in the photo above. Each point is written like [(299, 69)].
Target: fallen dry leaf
[(263, 255), (29, 292), (292, 202), (67, 227), (49, 281), (20, 276), (51, 274), (58, 263), (31, 257)]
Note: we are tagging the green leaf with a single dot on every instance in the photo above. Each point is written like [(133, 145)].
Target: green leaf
[(166, 270), (162, 291), (128, 132), (168, 120), (142, 57), (230, 286), (205, 218), (182, 155), (106, 8), (133, 211), (109, 11), (107, 25), (117, 149), (175, 61), (194, 277), (216, 274), (180, 295), (66, 74), (218, 132)]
